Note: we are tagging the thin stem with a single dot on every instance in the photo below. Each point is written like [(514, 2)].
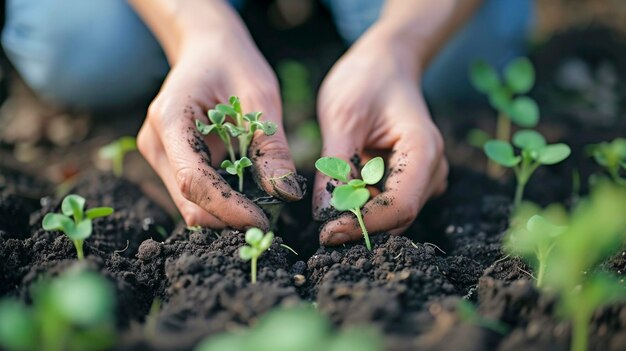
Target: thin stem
[(541, 272), (359, 217), (580, 332), (503, 132), (78, 244), (118, 166), (240, 175), (253, 270), (519, 192), (231, 151)]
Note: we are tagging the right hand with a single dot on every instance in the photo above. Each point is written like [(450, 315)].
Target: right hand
[(208, 69)]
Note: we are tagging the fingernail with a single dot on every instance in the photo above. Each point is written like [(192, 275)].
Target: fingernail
[(286, 185)]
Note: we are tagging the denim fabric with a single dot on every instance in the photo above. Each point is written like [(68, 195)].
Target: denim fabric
[(98, 53)]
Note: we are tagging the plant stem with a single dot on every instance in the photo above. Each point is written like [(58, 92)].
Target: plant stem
[(253, 270), (519, 192), (579, 332), (231, 151), (503, 132), (240, 175), (78, 244), (359, 217), (118, 166), (541, 272)]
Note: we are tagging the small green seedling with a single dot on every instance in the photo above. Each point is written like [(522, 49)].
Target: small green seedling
[(534, 153), (468, 314), (506, 96), (75, 222), (116, 151), (237, 168), (533, 235), (71, 312), (300, 328), (243, 129), (353, 195), (611, 156), (257, 244)]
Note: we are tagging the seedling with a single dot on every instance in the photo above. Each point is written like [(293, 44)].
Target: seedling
[(257, 244), (243, 129), (72, 312), (506, 96), (74, 221), (237, 168), (353, 195), (533, 235), (611, 156), (534, 153), (467, 313), (116, 151)]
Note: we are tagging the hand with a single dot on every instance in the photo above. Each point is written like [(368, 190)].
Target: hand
[(208, 69), (369, 105)]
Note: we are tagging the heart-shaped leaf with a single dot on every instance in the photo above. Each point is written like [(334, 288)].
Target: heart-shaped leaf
[(500, 99), (501, 153), (203, 128), (73, 205), (246, 253), (81, 231), (524, 112), (98, 212), (519, 75), (254, 236), (346, 197), (217, 117), (529, 140), (252, 116), (243, 163), (235, 103), (266, 241), (233, 130), (333, 167), (57, 221), (268, 128), (553, 154), (226, 109), (373, 170), (484, 77)]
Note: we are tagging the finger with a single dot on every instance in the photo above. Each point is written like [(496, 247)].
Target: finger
[(410, 182), (152, 150), (190, 160)]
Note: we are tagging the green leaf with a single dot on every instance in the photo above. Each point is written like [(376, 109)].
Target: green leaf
[(529, 140), (500, 99), (246, 252), (229, 167), (73, 205), (226, 109), (373, 170), (477, 137), (346, 197), (98, 212), (266, 241), (553, 154), (484, 77), (357, 183), (83, 298), (224, 342), (17, 327), (519, 75), (333, 167), (269, 128), (235, 103), (254, 236), (252, 116), (541, 225), (524, 112), (501, 153), (233, 130), (57, 221), (244, 162), (217, 117), (109, 151), (203, 128), (81, 231), (127, 143)]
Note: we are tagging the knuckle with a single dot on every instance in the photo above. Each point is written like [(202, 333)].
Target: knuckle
[(143, 142), (274, 146), (407, 212), (185, 179), (189, 216)]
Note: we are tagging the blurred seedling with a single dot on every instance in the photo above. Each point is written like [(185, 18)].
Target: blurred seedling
[(116, 151), (243, 129), (611, 156), (257, 244), (354, 194), (533, 235), (534, 152), (506, 95), (74, 221), (71, 312), (468, 314)]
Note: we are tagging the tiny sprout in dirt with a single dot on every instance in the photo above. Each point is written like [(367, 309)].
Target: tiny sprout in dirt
[(74, 221), (611, 156), (237, 168), (468, 314), (116, 151), (353, 195), (257, 244), (534, 153), (243, 129)]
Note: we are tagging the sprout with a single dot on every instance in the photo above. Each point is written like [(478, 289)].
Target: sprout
[(534, 153), (611, 156), (243, 129), (504, 96), (467, 313), (237, 168), (72, 312), (353, 195), (80, 227), (116, 151), (257, 244)]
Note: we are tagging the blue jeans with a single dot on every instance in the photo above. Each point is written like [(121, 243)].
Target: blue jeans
[(98, 53)]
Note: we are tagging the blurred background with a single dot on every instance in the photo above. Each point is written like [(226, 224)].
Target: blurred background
[(578, 47)]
